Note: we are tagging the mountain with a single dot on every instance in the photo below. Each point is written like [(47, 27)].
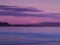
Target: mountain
[(4, 24), (48, 24), (45, 24)]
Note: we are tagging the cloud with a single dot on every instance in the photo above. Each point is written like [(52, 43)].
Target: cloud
[(10, 13), (16, 11), (19, 9)]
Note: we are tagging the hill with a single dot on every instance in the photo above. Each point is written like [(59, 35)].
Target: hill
[(45, 24)]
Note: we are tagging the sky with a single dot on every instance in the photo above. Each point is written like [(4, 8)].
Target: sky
[(29, 11)]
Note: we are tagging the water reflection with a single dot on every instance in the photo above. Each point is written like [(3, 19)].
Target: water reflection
[(22, 38)]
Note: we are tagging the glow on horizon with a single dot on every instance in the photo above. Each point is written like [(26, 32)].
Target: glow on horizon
[(48, 6), (26, 20)]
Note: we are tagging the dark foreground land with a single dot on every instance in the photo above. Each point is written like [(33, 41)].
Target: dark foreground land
[(45, 24)]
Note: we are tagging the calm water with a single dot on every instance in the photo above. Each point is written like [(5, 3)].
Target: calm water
[(29, 35)]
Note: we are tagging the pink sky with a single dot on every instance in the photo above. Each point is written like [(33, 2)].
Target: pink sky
[(47, 7), (26, 20)]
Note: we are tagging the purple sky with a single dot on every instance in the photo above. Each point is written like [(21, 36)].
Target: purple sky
[(29, 11)]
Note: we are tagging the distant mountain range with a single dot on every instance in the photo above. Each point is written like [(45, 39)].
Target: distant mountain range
[(45, 24)]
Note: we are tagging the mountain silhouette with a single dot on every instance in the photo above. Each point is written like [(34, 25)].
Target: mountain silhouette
[(4, 24), (44, 24)]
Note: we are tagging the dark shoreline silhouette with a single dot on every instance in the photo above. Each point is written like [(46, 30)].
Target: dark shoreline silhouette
[(45, 24)]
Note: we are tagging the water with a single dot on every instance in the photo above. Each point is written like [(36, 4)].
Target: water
[(29, 35)]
